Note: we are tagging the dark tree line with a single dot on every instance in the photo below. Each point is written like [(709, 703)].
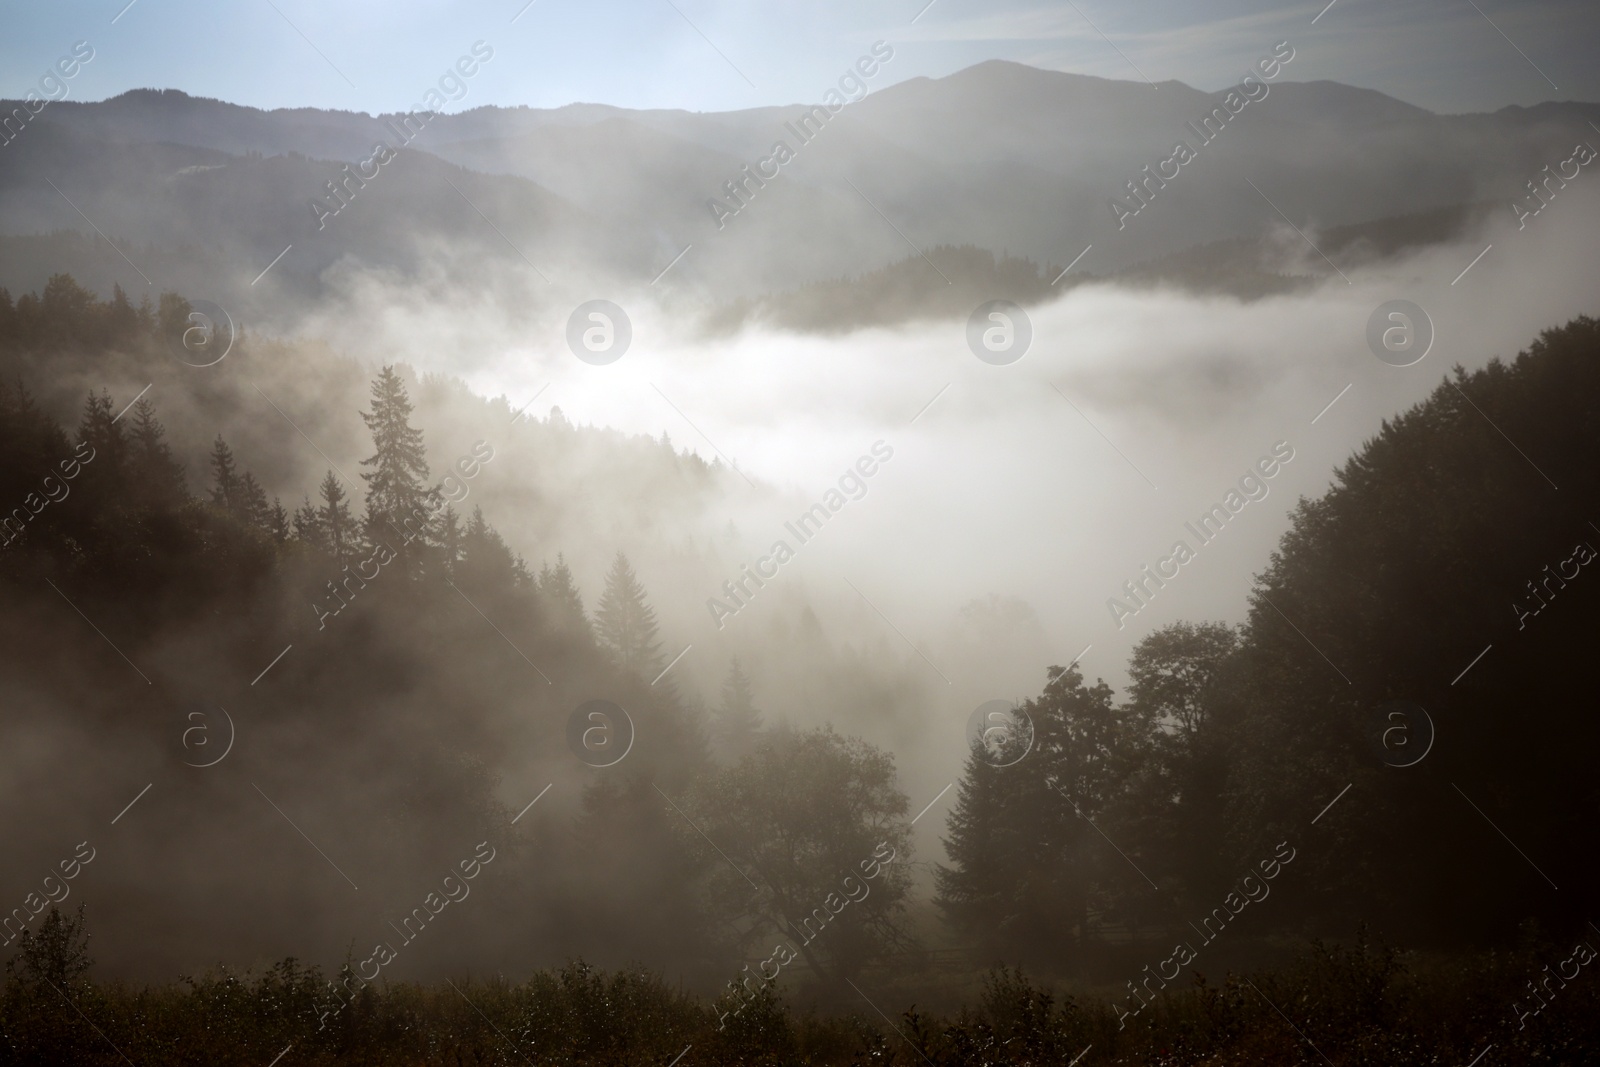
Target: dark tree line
[(1434, 543), (199, 584)]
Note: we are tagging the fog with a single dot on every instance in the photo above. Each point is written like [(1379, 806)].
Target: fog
[(1000, 486), (1005, 509)]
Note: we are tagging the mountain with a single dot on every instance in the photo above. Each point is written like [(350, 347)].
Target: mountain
[(562, 203)]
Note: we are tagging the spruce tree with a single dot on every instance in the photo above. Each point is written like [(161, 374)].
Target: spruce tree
[(100, 429), (227, 488), (563, 602), (450, 534), (399, 501), (737, 723), (157, 476), (278, 522), (253, 504), (627, 623), (336, 527), (308, 526), (485, 560)]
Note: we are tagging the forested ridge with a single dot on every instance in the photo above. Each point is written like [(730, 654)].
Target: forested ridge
[(136, 589)]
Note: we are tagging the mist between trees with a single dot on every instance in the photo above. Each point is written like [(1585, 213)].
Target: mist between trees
[(431, 727)]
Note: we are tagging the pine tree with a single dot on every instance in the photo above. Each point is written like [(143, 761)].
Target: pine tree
[(308, 526), (100, 429), (336, 527), (563, 602), (485, 560), (400, 503), (278, 522), (157, 475), (450, 534), (253, 504), (1028, 866), (227, 488), (627, 623), (738, 723)]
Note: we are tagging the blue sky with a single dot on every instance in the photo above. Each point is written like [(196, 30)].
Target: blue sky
[(711, 55)]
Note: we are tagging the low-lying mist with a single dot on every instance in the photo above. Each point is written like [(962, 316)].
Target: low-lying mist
[(977, 524), (1019, 498)]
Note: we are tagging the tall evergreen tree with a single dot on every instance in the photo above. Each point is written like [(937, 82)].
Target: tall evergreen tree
[(308, 526), (399, 500), (253, 502), (1030, 862), (227, 487), (450, 534), (278, 521), (563, 602), (157, 476), (99, 427), (737, 724), (485, 560), (335, 525), (627, 623)]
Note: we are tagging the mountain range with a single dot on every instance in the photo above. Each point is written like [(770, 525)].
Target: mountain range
[(554, 205)]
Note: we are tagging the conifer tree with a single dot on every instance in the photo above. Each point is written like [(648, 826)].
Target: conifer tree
[(627, 623), (308, 526), (737, 723), (485, 560), (336, 527), (563, 602), (227, 488), (278, 522), (100, 429), (253, 504), (157, 475), (400, 503), (450, 534)]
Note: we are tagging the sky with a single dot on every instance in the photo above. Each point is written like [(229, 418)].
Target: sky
[(1451, 56)]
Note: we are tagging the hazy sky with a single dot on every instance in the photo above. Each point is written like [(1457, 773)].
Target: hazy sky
[(705, 55)]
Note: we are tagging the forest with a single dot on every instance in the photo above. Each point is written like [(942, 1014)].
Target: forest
[(1240, 858)]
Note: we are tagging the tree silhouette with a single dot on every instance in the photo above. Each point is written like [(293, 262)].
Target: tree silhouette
[(563, 602), (737, 723), (158, 478), (253, 502), (335, 525), (1031, 861), (227, 488), (805, 811), (399, 500), (627, 623)]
